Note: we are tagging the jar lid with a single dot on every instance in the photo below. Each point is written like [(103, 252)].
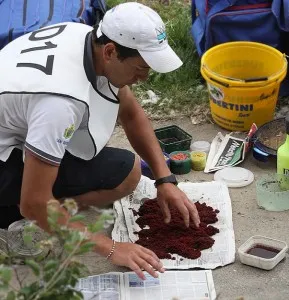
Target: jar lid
[(200, 146), (234, 176)]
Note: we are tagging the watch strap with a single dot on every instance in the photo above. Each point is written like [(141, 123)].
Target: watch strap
[(167, 179)]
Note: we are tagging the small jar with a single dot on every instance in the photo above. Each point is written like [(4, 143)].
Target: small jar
[(202, 146), (199, 159), (180, 166)]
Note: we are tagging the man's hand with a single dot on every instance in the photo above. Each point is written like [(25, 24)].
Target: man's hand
[(137, 258), (169, 196)]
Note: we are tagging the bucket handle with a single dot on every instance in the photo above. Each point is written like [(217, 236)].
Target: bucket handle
[(219, 82), (252, 79), (256, 79)]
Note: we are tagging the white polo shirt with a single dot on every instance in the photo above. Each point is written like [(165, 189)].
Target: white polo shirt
[(50, 97), (40, 123)]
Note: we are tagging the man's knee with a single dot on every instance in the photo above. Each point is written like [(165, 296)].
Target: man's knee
[(131, 181)]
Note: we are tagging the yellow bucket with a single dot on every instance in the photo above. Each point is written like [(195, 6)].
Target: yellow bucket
[(243, 80)]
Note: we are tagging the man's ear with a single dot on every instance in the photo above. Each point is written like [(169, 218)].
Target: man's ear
[(109, 52)]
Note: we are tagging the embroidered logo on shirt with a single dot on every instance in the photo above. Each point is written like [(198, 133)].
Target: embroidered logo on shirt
[(69, 131)]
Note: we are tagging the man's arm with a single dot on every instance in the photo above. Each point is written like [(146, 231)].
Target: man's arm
[(140, 133), (142, 138)]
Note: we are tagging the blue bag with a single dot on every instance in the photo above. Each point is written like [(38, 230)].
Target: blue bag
[(280, 9), (218, 21), (21, 16)]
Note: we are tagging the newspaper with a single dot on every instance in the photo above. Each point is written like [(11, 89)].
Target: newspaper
[(179, 285), (215, 194), (228, 150), (225, 151), (119, 229)]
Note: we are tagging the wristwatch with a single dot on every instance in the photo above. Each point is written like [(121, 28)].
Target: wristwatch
[(168, 179)]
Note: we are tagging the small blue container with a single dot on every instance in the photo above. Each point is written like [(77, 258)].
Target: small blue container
[(260, 155), (145, 169)]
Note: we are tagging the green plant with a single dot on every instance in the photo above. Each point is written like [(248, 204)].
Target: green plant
[(56, 276)]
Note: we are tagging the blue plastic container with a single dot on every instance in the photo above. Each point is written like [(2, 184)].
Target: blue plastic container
[(146, 171)]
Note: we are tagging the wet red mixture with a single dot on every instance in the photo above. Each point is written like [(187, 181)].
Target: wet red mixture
[(175, 238)]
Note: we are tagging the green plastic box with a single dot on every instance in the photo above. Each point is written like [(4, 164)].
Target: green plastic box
[(173, 138)]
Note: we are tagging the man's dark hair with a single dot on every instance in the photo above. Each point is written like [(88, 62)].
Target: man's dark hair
[(122, 52)]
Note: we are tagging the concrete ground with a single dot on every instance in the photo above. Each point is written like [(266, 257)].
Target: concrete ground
[(235, 281)]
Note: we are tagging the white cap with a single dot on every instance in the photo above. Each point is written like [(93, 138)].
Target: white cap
[(137, 26)]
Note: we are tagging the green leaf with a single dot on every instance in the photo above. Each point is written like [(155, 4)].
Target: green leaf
[(4, 287), (27, 239), (69, 247), (11, 296), (50, 220), (27, 291), (85, 248), (5, 274), (33, 266), (75, 237), (51, 264), (76, 296), (54, 213), (105, 217), (76, 218), (3, 258), (48, 275), (30, 228), (53, 217), (95, 227)]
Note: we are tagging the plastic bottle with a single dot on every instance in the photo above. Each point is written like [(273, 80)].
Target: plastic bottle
[(283, 160)]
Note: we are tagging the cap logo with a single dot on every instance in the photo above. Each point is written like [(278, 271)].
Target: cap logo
[(161, 34)]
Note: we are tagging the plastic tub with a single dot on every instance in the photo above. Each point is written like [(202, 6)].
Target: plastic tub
[(270, 136), (145, 169), (173, 138), (269, 194), (260, 262), (15, 234), (179, 167)]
